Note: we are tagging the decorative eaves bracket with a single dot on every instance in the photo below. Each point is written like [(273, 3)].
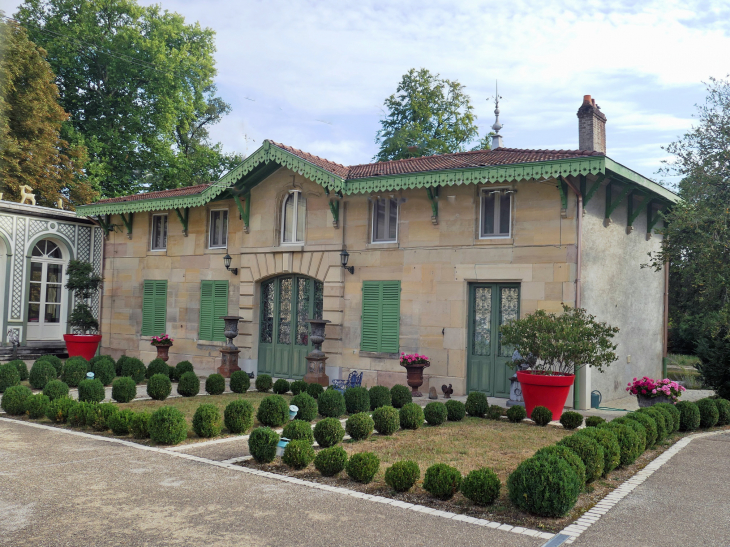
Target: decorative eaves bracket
[(128, 223), (588, 193), (633, 212), (106, 224), (651, 218), (244, 209), (183, 219), (433, 197), (612, 204), (563, 189)]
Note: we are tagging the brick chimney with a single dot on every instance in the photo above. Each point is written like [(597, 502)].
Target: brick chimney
[(591, 126)]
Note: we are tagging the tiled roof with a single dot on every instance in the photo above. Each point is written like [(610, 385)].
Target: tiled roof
[(175, 192), (334, 168)]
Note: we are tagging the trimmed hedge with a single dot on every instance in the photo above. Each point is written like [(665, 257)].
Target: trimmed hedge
[(386, 420), (571, 420), (662, 428), (357, 399), (307, 406), (314, 390), (55, 360), (481, 486), (541, 416), (609, 442), (281, 386), (80, 414), (359, 426), (628, 441), (57, 411), (74, 370), (139, 425), (671, 416), (516, 414), (14, 398), (401, 476), (273, 411), (297, 387), (411, 416), (21, 367), (589, 451), (132, 367), (159, 387), (649, 424), (689, 416), (593, 421), (298, 454), (99, 415), (238, 416), (639, 429), (207, 421), (119, 422), (264, 383), (709, 414), (330, 461), (435, 413), (240, 382), (455, 410), (298, 430), (215, 384), (331, 404), (36, 406), (400, 395), (181, 368), (104, 369), (442, 481), (379, 396), (546, 486), (723, 411), (565, 453), (262, 444), (41, 373), (91, 391), (362, 467), (55, 389), (477, 404), (189, 385), (124, 389), (157, 366), (167, 425), (328, 432)]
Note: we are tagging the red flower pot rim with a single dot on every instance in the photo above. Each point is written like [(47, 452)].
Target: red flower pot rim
[(545, 373)]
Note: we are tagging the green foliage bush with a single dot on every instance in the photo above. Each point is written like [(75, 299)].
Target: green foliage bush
[(55, 360), (671, 416), (215, 384), (590, 453), (139, 425), (14, 398), (723, 411), (442, 481), (132, 367), (157, 366), (57, 410), (628, 441), (571, 420), (638, 428), (167, 425), (516, 414), (189, 385), (314, 390), (273, 411), (709, 415), (240, 382), (566, 454), (386, 420), (298, 430), (104, 369), (435, 413), (264, 383), (36, 405), (159, 387), (124, 389), (609, 442), (298, 386), (546, 486), (281, 386), (401, 476), (362, 467), (307, 406), (657, 415), (120, 364), (238, 416), (99, 415), (689, 416), (91, 391), (298, 454), (262, 444), (181, 368), (55, 389), (455, 410), (80, 414), (74, 370), (411, 416), (481, 486), (207, 421), (541, 415), (494, 412), (119, 422), (357, 399), (41, 373), (21, 367), (649, 425), (400, 395), (477, 404), (593, 421), (359, 426), (379, 396), (331, 404), (330, 461), (96, 358), (328, 432)]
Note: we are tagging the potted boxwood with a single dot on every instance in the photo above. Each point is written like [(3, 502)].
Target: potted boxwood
[(559, 345), (84, 283)]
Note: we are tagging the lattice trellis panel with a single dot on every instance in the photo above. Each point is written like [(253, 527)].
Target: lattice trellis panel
[(83, 249), (18, 259), (6, 225), (96, 262), (68, 230), (36, 227)]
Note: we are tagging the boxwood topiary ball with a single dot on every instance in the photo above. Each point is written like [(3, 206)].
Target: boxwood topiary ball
[(314, 390), (328, 432), (477, 404), (661, 423), (331, 404), (481, 486), (411, 416), (359, 426), (362, 467), (456, 410), (14, 398), (400, 395), (100, 415), (124, 389), (207, 421), (273, 411), (41, 373), (139, 425), (709, 415), (55, 389), (649, 424), (386, 420), (240, 382), (593, 421), (80, 413), (134, 368), (22, 368), (91, 391), (628, 441), (668, 416), (181, 368), (307, 406), (74, 370), (159, 387), (639, 429), (57, 411), (541, 415), (442, 481), (571, 420), (357, 399), (167, 425), (545, 486), (262, 444), (672, 410), (215, 384), (36, 405), (157, 366), (189, 385), (689, 416), (723, 411), (104, 370), (330, 461), (516, 414), (298, 430), (55, 360), (401, 476), (589, 451), (298, 386), (281, 386), (379, 396), (435, 413), (494, 412), (238, 416), (119, 422), (298, 454), (608, 441), (264, 383), (96, 358), (565, 453)]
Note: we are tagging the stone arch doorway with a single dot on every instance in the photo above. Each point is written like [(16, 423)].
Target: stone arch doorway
[(287, 301), (47, 298)]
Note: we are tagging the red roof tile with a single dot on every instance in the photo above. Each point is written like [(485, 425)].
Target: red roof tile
[(334, 168), (175, 192)]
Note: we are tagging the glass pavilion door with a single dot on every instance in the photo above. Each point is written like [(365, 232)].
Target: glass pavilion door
[(46, 295)]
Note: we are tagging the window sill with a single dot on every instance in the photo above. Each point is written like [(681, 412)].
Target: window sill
[(378, 355), (209, 344), (383, 245), (291, 247), (495, 241), (215, 250)]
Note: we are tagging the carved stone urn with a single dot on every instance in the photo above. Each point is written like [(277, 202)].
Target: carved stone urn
[(414, 377), (316, 358), (229, 352)]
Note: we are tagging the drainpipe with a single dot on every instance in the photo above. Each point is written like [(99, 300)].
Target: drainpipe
[(665, 341)]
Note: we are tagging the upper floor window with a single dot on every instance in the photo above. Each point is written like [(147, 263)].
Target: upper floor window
[(293, 217), (385, 219), (159, 232), (496, 213), (218, 237)]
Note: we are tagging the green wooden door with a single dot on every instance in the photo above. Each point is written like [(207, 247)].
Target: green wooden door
[(286, 303), (490, 306)]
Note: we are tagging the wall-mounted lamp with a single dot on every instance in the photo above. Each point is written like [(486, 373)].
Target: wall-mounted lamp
[(227, 264), (344, 257)]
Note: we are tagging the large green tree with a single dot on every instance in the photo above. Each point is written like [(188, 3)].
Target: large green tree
[(138, 84)]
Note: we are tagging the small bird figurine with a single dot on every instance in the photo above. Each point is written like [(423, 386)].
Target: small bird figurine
[(447, 391)]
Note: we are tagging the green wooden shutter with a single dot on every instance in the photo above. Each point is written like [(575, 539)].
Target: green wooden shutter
[(380, 316), (154, 307), (213, 305), (205, 328)]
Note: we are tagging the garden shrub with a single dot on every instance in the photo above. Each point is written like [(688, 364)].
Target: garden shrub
[(298, 430), (104, 370), (401, 476), (362, 467), (55, 360), (14, 398), (662, 429), (639, 429), (400, 395), (330, 461), (281, 386), (262, 444), (442, 481), (481, 486), (240, 382), (331, 404), (668, 416), (36, 405), (96, 358), (215, 384), (182, 367), (357, 399), (9, 376), (386, 420), (590, 453), (132, 367), (709, 415), (119, 422), (359, 426), (298, 386), (41, 373), (455, 410), (723, 411), (307, 406), (80, 414), (22, 368), (298, 454), (238, 416), (314, 390), (98, 415), (120, 364), (435, 413), (55, 389), (546, 486), (159, 387), (74, 370), (411, 416), (207, 421), (189, 385), (139, 425), (565, 453), (516, 414), (649, 424), (167, 425), (593, 421), (379, 396), (689, 416), (541, 415), (328, 432), (628, 441), (672, 410), (571, 420), (157, 366), (91, 391), (264, 383), (609, 442), (494, 412), (477, 404), (273, 411), (57, 410), (124, 389)]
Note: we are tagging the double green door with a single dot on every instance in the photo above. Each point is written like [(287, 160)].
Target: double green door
[(490, 306), (286, 304)]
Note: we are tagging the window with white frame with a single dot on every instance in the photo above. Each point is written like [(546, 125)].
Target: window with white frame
[(218, 229), (385, 220), (159, 232), (294, 214), (496, 213)]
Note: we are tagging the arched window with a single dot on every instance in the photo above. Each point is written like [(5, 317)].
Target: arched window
[(45, 291), (293, 215), (47, 249)]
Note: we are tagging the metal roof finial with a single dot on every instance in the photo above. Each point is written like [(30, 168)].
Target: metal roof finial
[(496, 138)]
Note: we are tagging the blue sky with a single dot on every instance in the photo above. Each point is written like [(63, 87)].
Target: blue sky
[(314, 75)]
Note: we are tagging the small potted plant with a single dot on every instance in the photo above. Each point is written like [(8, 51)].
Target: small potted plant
[(162, 343), (84, 283), (652, 392), (414, 365)]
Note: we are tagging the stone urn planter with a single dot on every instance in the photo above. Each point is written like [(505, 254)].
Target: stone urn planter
[(316, 358), (162, 343), (229, 352), (645, 401), (414, 365)]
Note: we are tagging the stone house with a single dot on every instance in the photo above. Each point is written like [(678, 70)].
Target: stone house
[(443, 248)]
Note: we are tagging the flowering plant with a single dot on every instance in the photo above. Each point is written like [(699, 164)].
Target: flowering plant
[(647, 387), (413, 359), (162, 340)]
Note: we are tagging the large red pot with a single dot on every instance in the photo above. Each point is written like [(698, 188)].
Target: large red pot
[(545, 390), (84, 345)]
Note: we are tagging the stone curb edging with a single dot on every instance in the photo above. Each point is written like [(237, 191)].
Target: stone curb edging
[(334, 489)]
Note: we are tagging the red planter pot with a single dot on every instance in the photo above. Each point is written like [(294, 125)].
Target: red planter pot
[(84, 345), (543, 390)]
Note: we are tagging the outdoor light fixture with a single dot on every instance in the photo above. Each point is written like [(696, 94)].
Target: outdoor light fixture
[(227, 264), (344, 257)]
